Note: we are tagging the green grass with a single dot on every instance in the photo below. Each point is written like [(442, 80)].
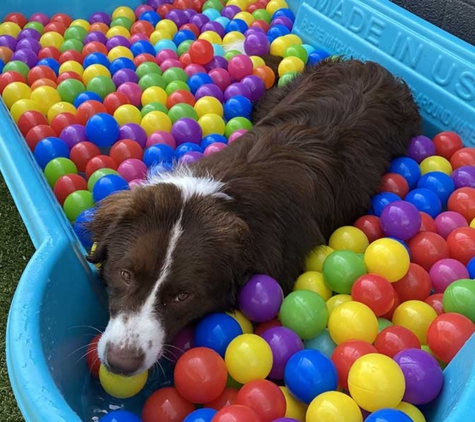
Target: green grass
[(15, 251)]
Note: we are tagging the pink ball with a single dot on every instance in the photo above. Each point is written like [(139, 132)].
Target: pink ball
[(448, 221), (236, 134), (136, 183), (132, 91), (220, 77), (161, 137), (167, 64), (214, 147), (132, 169), (141, 9), (445, 272), (165, 54), (193, 68), (240, 66), (138, 37)]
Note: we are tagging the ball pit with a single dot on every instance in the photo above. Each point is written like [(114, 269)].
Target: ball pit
[(154, 85)]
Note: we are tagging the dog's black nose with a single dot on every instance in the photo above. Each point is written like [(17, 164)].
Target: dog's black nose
[(124, 361)]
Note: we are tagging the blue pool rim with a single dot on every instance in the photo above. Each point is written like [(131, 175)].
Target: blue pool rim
[(37, 394)]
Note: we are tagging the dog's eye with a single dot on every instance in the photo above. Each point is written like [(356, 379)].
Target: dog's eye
[(181, 297), (125, 275)]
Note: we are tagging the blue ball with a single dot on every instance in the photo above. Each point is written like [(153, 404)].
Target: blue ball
[(276, 31), (388, 415), (407, 168), (183, 35), (51, 63), (310, 48), (142, 47), (2, 65), (223, 21), (201, 415), (218, 50), (150, 16), (198, 79), (96, 58), (323, 343), (309, 373), (471, 268), (160, 168), (102, 130), (120, 416), (441, 183), (82, 233), (317, 56), (212, 14), (165, 45), (186, 147), (425, 200), (107, 185), (284, 12), (237, 106), (216, 331), (157, 154), (49, 148), (86, 96), (382, 199), (238, 25), (123, 63), (211, 139)]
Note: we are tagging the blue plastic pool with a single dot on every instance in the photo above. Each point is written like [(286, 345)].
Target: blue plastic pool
[(58, 298)]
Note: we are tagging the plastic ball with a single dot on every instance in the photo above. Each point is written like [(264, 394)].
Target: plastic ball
[(440, 183), (370, 225), (337, 300), (388, 415), (166, 404), (381, 200), (374, 291), (341, 269), (463, 157), (461, 244), (248, 357), (236, 413), (201, 415), (352, 321), (156, 120), (323, 343), (393, 339), (448, 221), (447, 143), (120, 416), (415, 285), (48, 149), (459, 297), (314, 281), (444, 272), (394, 183), (436, 301), (99, 162), (400, 219), (425, 200), (58, 167), (462, 201), (68, 184), (464, 177), (108, 185), (387, 258), (228, 397), (427, 248), (416, 316), (333, 406), (435, 163), (420, 148), (309, 373), (304, 312), (348, 238), (412, 411), (408, 168), (120, 386)]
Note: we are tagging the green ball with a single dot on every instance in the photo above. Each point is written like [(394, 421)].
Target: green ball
[(184, 47), (174, 74), (58, 167), (323, 343), (177, 86), (152, 79), (297, 51), (182, 110), (341, 269), (101, 85), (286, 78), (71, 44), (35, 25), (77, 202), (459, 297), (122, 21), (237, 123), (147, 68), (262, 14), (231, 53), (69, 89), (153, 106), (213, 4), (383, 323), (304, 312), (97, 175), (17, 66), (75, 32)]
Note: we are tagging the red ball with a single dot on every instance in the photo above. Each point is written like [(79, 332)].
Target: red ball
[(446, 143), (68, 75), (37, 133), (30, 119), (427, 248), (63, 18), (142, 27), (200, 375), (375, 292), (236, 413), (264, 326), (265, 398), (94, 47), (394, 339), (462, 200), (62, 120), (345, 354), (166, 405), (82, 152), (49, 52), (185, 59), (68, 184), (55, 27), (201, 51), (192, 28), (125, 149), (40, 72), (71, 55), (17, 18), (92, 358), (8, 77), (394, 183), (262, 24), (447, 334), (436, 301), (143, 58), (114, 100), (227, 398), (183, 4), (461, 243), (164, 9), (88, 109), (179, 97), (415, 285), (99, 162), (427, 223), (370, 225), (397, 302), (463, 157)]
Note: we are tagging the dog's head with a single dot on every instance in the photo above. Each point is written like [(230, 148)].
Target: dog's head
[(170, 253)]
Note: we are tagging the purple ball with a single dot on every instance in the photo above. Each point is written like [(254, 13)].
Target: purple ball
[(285, 420), (187, 130), (190, 157), (199, 20), (189, 13), (444, 272), (237, 88), (260, 299), (26, 56), (256, 85), (95, 36), (256, 44), (284, 343), (400, 219), (230, 11), (215, 27), (420, 147), (39, 17), (102, 17), (156, 3), (283, 20), (464, 177), (73, 134), (29, 44), (423, 375), (124, 75), (209, 90), (135, 132), (217, 62), (178, 16), (117, 41), (29, 33), (447, 221), (8, 41)]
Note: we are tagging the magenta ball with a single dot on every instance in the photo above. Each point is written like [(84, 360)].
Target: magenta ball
[(132, 168), (161, 137), (400, 219), (420, 148), (132, 91), (213, 148), (240, 66), (136, 183), (423, 375), (135, 132), (39, 17), (445, 272), (138, 37), (256, 85), (165, 54), (190, 157), (447, 221), (285, 420), (193, 68), (256, 44), (236, 135), (169, 63), (464, 177), (284, 343), (220, 77), (187, 130), (260, 298)]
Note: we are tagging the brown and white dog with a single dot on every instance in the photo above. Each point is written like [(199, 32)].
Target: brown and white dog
[(182, 245)]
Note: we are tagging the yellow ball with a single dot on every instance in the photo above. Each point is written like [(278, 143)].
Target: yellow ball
[(167, 25), (248, 357), (246, 17), (436, 163), (212, 123), (412, 411), (127, 113), (333, 406), (160, 34), (472, 224), (293, 39), (82, 23), (207, 105), (316, 258), (337, 300), (349, 238), (124, 12), (352, 321), (93, 71), (71, 66), (387, 258), (20, 106), (275, 5), (245, 324), (46, 97), (154, 94), (257, 61), (313, 280), (290, 64), (51, 39), (58, 108), (118, 52), (211, 36), (10, 28), (233, 37), (120, 386), (295, 408), (118, 30), (15, 91), (155, 121), (375, 381), (278, 46), (415, 315), (242, 4)]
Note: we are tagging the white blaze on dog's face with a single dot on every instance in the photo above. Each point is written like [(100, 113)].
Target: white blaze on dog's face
[(168, 252)]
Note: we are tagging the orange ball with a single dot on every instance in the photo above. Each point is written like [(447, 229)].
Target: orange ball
[(5, 54), (266, 74)]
